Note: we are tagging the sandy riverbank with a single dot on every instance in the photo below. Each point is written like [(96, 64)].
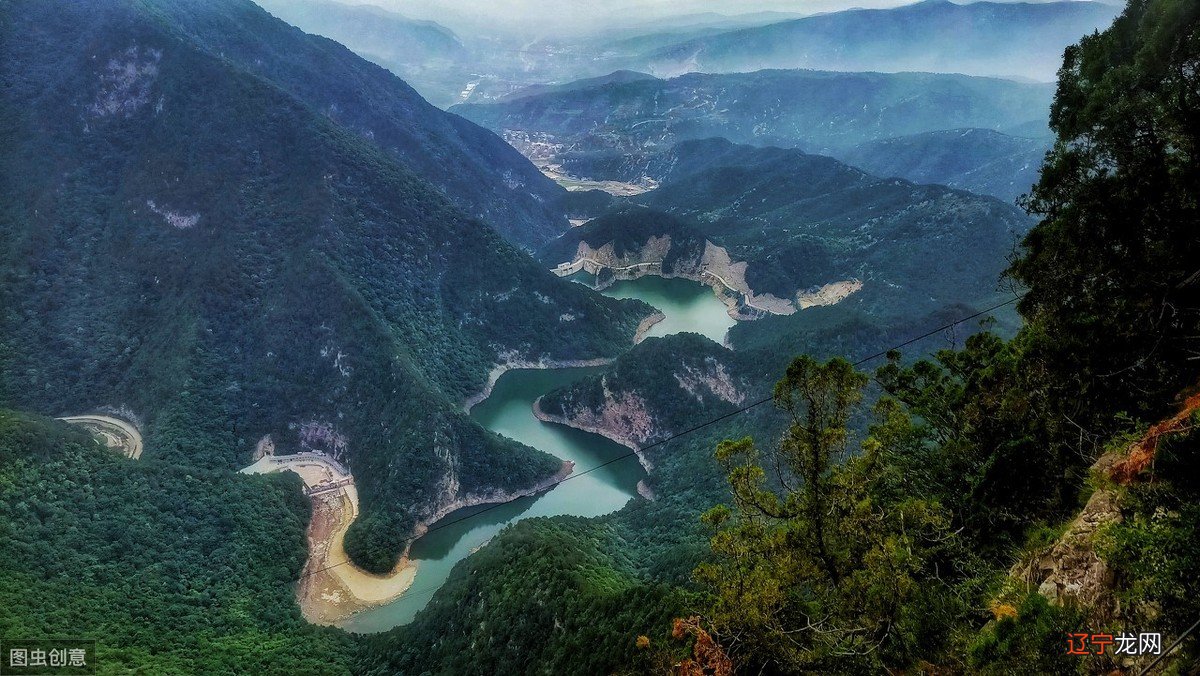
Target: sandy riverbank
[(331, 588)]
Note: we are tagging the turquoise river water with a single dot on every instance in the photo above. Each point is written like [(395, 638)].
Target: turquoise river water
[(688, 306)]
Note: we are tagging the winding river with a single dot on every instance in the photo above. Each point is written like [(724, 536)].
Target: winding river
[(688, 306)]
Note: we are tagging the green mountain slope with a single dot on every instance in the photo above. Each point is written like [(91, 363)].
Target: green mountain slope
[(556, 596), (186, 241), (980, 160), (802, 221), (475, 169), (170, 569)]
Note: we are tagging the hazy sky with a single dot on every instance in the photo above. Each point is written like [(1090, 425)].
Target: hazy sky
[(543, 16)]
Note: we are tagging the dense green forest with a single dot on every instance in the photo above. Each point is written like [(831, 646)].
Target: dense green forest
[(172, 569), (978, 459), (568, 604), (225, 262), (983, 161), (684, 379), (986, 449), (861, 522), (800, 221)]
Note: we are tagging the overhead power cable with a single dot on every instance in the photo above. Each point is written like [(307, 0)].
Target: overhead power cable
[(1171, 647), (625, 456)]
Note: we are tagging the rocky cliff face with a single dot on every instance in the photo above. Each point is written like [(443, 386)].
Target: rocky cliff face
[(453, 499), (293, 278), (649, 396), (711, 265), (624, 419), (1071, 571)]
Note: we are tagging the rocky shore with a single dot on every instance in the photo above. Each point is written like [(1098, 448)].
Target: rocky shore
[(594, 428)]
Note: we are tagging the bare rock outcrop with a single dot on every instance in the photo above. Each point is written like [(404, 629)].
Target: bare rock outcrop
[(1071, 571), (125, 82), (713, 267)]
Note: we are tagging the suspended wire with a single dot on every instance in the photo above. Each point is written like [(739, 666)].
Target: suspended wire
[(625, 456)]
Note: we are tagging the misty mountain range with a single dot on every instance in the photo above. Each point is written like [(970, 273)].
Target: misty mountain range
[(982, 38), (482, 61), (981, 134)]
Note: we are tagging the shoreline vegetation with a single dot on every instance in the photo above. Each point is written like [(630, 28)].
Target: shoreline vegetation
[(541, 414), (742, 304), (331, 588)]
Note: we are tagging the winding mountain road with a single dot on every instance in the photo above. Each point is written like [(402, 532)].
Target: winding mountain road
[(115, 432)]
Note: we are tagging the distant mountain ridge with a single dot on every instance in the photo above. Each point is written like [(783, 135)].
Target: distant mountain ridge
[(426, 54), (371, 30), (614, 78), (801, 222), (818, 111), (983, 161), (980, 38)]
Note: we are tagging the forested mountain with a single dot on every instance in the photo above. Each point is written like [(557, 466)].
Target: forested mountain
[(980, 160), (427, 55), (1048, 479), (179, 568), (185, 239), (800, 222), (475, 169), (655, 391), (1003, 39), (192, 235), (812, 110)]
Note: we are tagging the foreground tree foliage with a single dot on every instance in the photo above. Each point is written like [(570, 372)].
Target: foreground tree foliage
[(822, 565), (1113, 269), (888, 560)]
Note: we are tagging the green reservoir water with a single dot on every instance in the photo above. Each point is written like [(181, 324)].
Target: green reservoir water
[(688, 306), (509, 412)]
